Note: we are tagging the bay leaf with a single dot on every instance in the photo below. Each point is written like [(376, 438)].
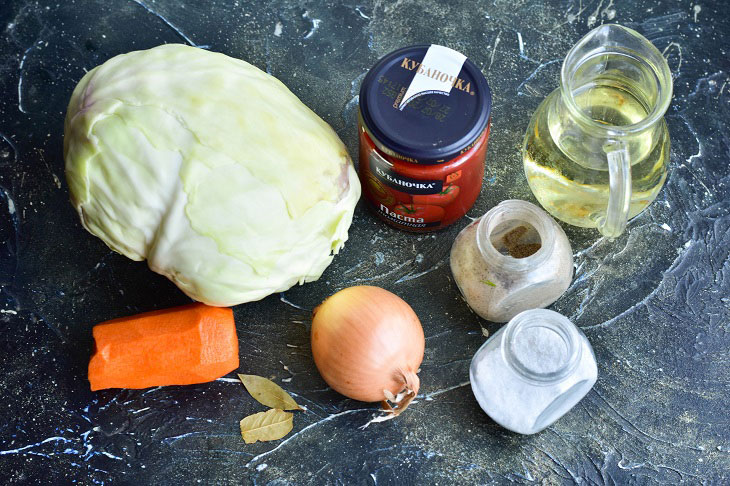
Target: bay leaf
[(268, 393), (272, 424)]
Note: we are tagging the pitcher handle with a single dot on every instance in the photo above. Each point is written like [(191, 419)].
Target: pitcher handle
[(619, 195)]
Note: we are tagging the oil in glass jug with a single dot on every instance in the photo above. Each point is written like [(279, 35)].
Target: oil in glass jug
[(596, 151)]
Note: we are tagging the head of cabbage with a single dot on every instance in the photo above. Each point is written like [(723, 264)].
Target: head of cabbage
[(210, 169)]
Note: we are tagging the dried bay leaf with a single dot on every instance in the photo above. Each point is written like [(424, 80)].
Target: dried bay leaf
[(268, 393), (272, 424)]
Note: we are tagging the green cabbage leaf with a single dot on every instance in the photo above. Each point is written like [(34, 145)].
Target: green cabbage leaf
[(210, 169)]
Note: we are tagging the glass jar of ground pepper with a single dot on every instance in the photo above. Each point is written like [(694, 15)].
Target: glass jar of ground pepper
[(423, 124)]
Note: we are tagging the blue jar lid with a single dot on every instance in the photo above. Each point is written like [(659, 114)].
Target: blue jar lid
[(432, 128)]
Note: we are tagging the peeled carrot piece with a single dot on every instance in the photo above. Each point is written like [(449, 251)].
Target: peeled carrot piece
[(194, 343)]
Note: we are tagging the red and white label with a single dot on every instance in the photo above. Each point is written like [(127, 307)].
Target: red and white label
[(437, 73)]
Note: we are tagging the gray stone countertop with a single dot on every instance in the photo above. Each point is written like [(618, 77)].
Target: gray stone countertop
[(655, 303)]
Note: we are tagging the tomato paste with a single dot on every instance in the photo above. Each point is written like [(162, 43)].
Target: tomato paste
[(423, 127)]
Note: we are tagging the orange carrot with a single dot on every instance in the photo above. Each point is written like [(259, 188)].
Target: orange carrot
[(194, 343)]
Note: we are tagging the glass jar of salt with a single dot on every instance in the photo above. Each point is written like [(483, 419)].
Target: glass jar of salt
[(532, 371), (514, 258)]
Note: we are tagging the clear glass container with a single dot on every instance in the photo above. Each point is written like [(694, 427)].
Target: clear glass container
[(533, 371), (514, 258), (596, 150)]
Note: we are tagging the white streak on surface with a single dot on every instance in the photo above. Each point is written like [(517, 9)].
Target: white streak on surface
[(608, 12), (296, 306), (315, 25), (535, 73), (20, 78), (429, 396), (30, 446), (229, 380), (175, 438), (292, 437), (357, 9), (411, 276), (679, 51), (169, 24), (593, 18), (494, 50), (112, 456)]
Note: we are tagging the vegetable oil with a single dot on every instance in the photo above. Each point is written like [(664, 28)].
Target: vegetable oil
[(597, 148), (575, 190)]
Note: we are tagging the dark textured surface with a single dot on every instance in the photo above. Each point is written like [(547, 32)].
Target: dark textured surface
[(655, 303)]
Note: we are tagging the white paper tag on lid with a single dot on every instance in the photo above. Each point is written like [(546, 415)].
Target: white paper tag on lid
[(437, 73)]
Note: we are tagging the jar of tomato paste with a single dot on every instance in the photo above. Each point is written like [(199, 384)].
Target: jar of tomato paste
[(423, 125)]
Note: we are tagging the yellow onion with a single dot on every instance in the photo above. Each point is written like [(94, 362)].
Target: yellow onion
[(368, 344)]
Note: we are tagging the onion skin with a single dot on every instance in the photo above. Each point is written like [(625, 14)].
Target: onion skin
[(366, 340)]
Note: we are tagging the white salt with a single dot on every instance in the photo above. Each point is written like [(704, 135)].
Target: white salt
[(517, 402), (540, 350)]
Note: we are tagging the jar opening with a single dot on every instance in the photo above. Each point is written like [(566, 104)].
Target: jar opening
[(515, 234), (515, 238), (541, 346), (614, 80), (540, 349)]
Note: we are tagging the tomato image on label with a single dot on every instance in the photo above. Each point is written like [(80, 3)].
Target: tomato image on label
[(421, 213), (453, 176), (378, 190), (443, 198)]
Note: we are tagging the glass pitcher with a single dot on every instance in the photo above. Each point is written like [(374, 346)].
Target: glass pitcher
[(596, 150)]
